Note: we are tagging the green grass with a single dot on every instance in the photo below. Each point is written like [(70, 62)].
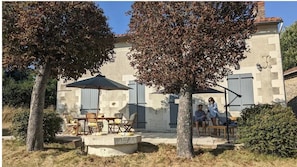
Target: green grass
[(61, 155)]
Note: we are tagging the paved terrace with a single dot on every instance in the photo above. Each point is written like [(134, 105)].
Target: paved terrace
[(163, 137), (170, 138)]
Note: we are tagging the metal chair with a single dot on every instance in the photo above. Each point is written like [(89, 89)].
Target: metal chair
[(115, 125), (128, 124)]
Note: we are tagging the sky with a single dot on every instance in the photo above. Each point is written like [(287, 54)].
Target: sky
[(119, 20)]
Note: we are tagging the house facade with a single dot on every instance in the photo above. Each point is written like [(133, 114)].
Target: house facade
[(258, 79)]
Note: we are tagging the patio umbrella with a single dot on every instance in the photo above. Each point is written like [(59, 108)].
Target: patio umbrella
[(196, 91), (98, 82)]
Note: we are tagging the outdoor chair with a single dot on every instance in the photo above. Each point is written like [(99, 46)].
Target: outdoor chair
[(70, 126), (93, 126), (100, 121), (127, 125), (115, 125)]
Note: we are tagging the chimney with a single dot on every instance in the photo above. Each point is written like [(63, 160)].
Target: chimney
[(261, 10)]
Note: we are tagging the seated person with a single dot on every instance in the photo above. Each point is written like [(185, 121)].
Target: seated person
[(199, 117)]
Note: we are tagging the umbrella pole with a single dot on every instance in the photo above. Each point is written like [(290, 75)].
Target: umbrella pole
[(226, 109), (98, 109)]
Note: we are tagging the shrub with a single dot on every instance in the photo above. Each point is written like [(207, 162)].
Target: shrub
[(51, 125), (269, 129), (20, 124)]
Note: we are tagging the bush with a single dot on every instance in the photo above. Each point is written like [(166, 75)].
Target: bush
[(51, 125), (269, 129)]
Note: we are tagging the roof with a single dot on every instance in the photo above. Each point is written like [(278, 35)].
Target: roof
[(290, 71), (121, 38), (120, 35), (257, 21), (268, 20)]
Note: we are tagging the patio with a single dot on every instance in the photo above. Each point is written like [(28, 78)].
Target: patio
[(165, 138)]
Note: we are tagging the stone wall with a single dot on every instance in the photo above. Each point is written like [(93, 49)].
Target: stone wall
[(291, 92)]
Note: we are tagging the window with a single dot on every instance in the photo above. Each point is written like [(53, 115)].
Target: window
[(243, 85)]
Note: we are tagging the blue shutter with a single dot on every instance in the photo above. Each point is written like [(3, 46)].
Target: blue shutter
[(138, 97), (137, 102), (173, 111), (234, 85), (141, 94), (89, 100), (132, 92), (247, 91), (243, 85)]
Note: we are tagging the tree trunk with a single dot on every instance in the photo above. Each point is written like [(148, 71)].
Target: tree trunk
[(35, 125), (184, 125)]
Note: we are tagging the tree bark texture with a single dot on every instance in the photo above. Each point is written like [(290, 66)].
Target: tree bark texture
[(35, 126), (184, 125)]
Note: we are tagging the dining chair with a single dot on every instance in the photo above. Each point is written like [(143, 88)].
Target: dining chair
[(70, 126), (91, 119), (115, 125), (100, 121)]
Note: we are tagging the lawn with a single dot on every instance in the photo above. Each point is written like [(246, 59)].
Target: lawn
[(65, 155)]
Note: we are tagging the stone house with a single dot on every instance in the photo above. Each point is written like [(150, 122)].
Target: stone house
[(258, 79)]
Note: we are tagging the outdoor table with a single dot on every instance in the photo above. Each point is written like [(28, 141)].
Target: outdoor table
[(108, 119)]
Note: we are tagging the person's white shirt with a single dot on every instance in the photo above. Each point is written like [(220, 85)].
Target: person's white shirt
[(213, 110)]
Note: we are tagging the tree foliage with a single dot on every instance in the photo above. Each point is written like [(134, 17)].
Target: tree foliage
[(181, 45), (73, 36), (177, 43), (17, 88), (288, 43), (60, 39)]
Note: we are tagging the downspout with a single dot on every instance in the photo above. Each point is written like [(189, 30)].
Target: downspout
[(284, 86), (281, 27)]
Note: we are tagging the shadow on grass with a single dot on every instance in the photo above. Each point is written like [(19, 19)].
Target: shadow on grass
[(62, 149), (6, 132), (221, 149), (64, 144), (146, 147), (199, 151)]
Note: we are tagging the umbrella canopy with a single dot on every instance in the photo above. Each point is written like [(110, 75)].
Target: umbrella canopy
[(98, 82), (196, 91)]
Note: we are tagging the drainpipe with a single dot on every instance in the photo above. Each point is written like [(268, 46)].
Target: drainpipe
[(281, 27), (284, 86)]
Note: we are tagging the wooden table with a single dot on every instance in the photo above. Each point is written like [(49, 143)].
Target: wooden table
[(221, 127), (108, 119)]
